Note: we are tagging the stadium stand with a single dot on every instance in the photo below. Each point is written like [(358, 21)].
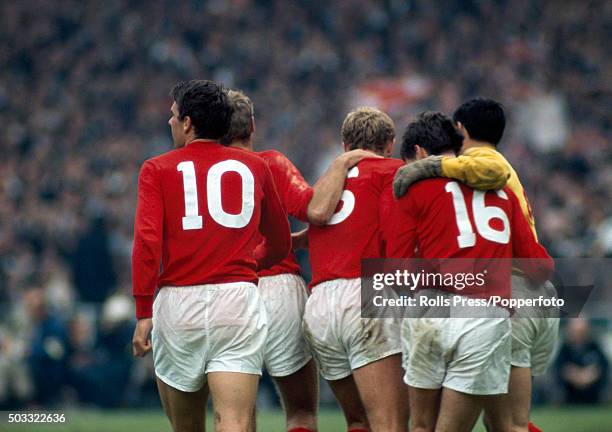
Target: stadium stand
[(84, 100)]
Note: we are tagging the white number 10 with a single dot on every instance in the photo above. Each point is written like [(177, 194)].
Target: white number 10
[(192, 219), (482, 215)]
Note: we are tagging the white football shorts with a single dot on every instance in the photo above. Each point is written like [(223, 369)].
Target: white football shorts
[(207, 328), (535, 330), (469, 355), (286, 350), (341, 341)]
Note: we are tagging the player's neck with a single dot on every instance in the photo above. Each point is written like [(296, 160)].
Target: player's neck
[(471, 143), (189, 140), (242, 144)]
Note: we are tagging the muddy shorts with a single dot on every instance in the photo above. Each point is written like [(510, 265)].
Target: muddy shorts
[(469, 355), (342, 341)]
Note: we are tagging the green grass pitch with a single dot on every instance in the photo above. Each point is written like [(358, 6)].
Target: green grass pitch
[(559, 419)]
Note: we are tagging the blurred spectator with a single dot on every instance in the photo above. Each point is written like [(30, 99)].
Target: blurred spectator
[(15, 384), (582, 366), (47, 352), (92, 265), (82, 368), (100, 371)]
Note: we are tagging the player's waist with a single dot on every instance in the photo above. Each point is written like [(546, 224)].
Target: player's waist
[(336, 284), (212, 286), (329, 275), (288, 265), (339, 265), (251, 277)]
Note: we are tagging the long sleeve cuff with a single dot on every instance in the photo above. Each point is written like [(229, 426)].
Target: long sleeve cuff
[(144, 306)]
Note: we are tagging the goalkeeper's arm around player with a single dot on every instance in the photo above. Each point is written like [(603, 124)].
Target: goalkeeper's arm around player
[(481, 168)]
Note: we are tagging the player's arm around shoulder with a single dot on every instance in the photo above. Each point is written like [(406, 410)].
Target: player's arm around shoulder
[(480, 168), (328, 189)]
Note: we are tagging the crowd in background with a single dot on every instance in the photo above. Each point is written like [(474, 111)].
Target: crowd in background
[(84, 100)]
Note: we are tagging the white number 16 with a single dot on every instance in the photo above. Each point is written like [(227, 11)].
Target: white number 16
[(482, 215)]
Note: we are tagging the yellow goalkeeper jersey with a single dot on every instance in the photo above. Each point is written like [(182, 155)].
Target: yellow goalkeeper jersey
[(484, 168)]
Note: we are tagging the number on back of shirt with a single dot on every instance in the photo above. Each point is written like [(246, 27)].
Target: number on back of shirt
[(348, 201), (192, 219), (482, 216)]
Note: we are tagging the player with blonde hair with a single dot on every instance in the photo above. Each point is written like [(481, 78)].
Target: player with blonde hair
[(359, 357)]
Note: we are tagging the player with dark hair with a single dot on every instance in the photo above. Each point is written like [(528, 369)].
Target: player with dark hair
[(206, 105), (359, 357), (286, 354), (434, 135), (484, 117), (482, 166), (202, 209), (469, 370)]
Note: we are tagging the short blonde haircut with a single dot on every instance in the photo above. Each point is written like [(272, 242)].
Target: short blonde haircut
[(367, 128), (242, 111)]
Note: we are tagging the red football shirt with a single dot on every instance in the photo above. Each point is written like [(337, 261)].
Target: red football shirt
[(337, 248), (200, 212), (295, 194), (442, 218)]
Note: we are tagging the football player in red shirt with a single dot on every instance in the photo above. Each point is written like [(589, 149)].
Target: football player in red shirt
[(287, 356), (359, 357), (468, 367), (482, 166), (202, 209)]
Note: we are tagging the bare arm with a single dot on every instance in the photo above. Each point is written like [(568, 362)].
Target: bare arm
[(328, 189)]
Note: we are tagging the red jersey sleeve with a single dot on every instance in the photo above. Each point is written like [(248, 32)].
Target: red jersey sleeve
[(148, 233), (294, 191), (400, 231), (273, 226), (299, 193), (525, 245)]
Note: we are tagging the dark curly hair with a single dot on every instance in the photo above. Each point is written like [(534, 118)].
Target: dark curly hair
[(434, 132), (206, 103)]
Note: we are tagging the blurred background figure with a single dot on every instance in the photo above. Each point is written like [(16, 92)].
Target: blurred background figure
[(100, 365), (92, 256), (47, 349), (15, 384), (582, 367)]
